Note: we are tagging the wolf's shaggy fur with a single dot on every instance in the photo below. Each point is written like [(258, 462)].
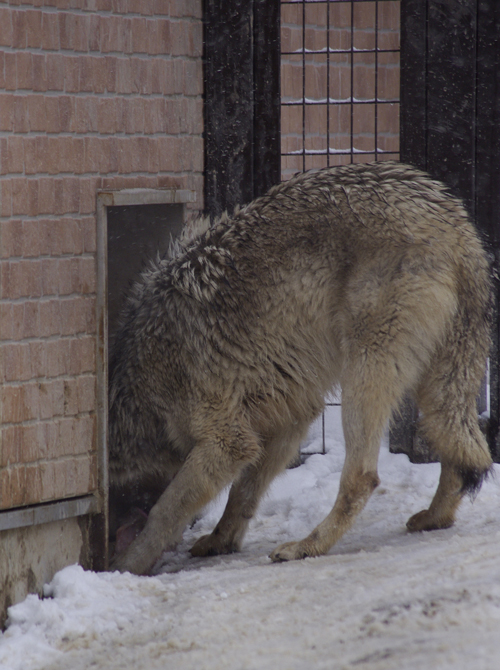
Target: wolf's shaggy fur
[(367, 277)]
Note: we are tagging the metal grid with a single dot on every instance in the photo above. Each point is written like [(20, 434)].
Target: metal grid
[(351, 63), (339, 63)]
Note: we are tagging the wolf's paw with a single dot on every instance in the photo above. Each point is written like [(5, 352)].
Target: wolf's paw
[(212, 545), (290, 551), (424, 520)]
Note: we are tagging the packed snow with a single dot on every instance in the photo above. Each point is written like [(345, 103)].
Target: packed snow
[(382, 599)]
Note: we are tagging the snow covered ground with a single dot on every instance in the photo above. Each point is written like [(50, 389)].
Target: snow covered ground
[(381, 600)]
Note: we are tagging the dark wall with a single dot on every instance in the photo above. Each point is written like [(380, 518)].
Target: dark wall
[(242, 101), (450, 118)]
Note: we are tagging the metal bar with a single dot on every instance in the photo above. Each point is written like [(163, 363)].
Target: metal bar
[(351, 132), (348, 101), (376, 81), (327, 88), (303, 86), (338, 51)]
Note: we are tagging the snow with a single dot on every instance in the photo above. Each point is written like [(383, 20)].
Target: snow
[(382, 599)]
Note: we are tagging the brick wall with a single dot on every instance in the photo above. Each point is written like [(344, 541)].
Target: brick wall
[(94, 94), (346, 91)]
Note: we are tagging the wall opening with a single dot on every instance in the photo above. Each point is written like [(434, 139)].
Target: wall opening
[(132, 227), (136, 234)]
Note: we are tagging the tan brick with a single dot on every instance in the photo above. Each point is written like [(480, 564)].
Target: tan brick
[(55, 72), (95, 33), (20, 403), (6, 28), (51, 398), (19, 196), (53, 118), (17, 321), (50, 485), (110, 33), (50, 31), (33, 29), (13, 156), (71, 195), (39, 72), (86, 392), (85, 82), (19, 29), (58, 357), (38, 359), (109, 68), (24, 67), (49, 439), (73, 316), (80, 30), (6, 321), (153, 156), (5, 198), (40, 154), (139, 35), (106, 116), (2, 70), (6, 111), (99, 74), (169, 149), (64, 284), (20, 115), (88, 188), (70, 397), (65, 437), (17, 363), (82, 355), (123, 79), (10, 440), (50, 318), (12, 487), (58, 197), (46, 195), (71, 74), (141, 76), (21, 279), (91, 147), (86, 114), (85, 434), (10, 71), (31, 238), (79, 476), (172, 76), (64, 29), (192, 77), (89, 233)]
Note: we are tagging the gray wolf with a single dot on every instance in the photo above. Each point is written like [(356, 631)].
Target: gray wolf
[(368, 277)]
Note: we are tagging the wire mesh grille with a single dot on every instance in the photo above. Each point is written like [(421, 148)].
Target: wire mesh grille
[(339, 88), (340, 82)]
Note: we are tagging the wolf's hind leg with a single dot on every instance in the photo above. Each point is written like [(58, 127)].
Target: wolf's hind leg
[(364, 416), (246, 492), (447, 399)]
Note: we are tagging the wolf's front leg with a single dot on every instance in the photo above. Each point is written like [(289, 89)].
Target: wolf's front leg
[(209, 467)]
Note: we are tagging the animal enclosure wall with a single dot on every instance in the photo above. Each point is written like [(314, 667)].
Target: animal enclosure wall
[(94, 96)]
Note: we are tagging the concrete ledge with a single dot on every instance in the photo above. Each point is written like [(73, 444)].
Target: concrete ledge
[(46, 513), (146, 196)]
